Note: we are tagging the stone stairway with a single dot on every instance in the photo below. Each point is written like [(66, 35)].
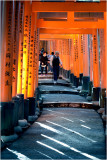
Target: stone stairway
[(61, 94)]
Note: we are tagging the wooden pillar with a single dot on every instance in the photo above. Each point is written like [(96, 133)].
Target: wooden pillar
[(36, 57), (15, 48), (86, 77), (27, 16), (91, 57), (72, 61), (7, 50), (20, 50), (75, 71), (76, 61), (30, 92), (90, 65), (105, 45), (102, 68), (80, 50), (96, 73)]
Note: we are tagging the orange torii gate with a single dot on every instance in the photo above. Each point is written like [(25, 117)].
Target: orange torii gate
[(64, 29)]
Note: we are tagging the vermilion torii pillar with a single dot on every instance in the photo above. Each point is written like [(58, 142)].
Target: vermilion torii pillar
[(15, 48), (96, 73), (77, 60), (30, 92), (91, 64), (102, 68), (36, 57), (7, 50), (80, 46), (72, 61), (7, 106), (20, 50), (86, 77), (27, 14)]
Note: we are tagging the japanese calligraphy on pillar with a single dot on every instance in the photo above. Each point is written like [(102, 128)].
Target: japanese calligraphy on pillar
[(30, 46), (96, 77), (20, 54), (95, 49), (26, 41), (91, 57), (15, 49), (36, 56), (102, 59), (7, 52), (8, 63), (75, 52), (81, 44)]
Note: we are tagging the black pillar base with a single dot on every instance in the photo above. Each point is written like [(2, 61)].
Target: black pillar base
[(16, 110), (21, 106), (31, 106), (95, 93), (85, 85), (68, 74), (7, 110), (26, 108), (76, 81), (105, 104), (102, 97), (81, 78), (90, 86), (37, 94), (72, 78)]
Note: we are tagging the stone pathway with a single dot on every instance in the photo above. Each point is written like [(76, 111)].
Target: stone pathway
[(63, 98), (57, 89), (61, 133)]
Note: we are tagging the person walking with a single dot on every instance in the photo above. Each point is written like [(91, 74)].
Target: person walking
[(56, 63), (44, 63), (50, 61)]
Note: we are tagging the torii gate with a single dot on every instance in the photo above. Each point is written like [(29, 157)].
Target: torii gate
[(64, 29)]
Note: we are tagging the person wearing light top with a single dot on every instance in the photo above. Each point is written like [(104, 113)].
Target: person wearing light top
[(56, 63)]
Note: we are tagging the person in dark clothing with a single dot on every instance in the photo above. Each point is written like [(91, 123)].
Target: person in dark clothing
[(44, 63), (55, 63)]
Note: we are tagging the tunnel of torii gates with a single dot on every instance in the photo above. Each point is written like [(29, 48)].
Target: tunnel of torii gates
[(82, 47)]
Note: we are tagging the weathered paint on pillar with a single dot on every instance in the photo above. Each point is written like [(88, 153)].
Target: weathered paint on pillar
[(15, 48), (6, 51), (20, 50), (96, 77), (27, 15)]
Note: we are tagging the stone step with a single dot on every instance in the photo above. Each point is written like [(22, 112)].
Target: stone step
[(47, 77), (49, 73), (56, 89), (69, 104), (57, 84), (48, 83), (59, 92)]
